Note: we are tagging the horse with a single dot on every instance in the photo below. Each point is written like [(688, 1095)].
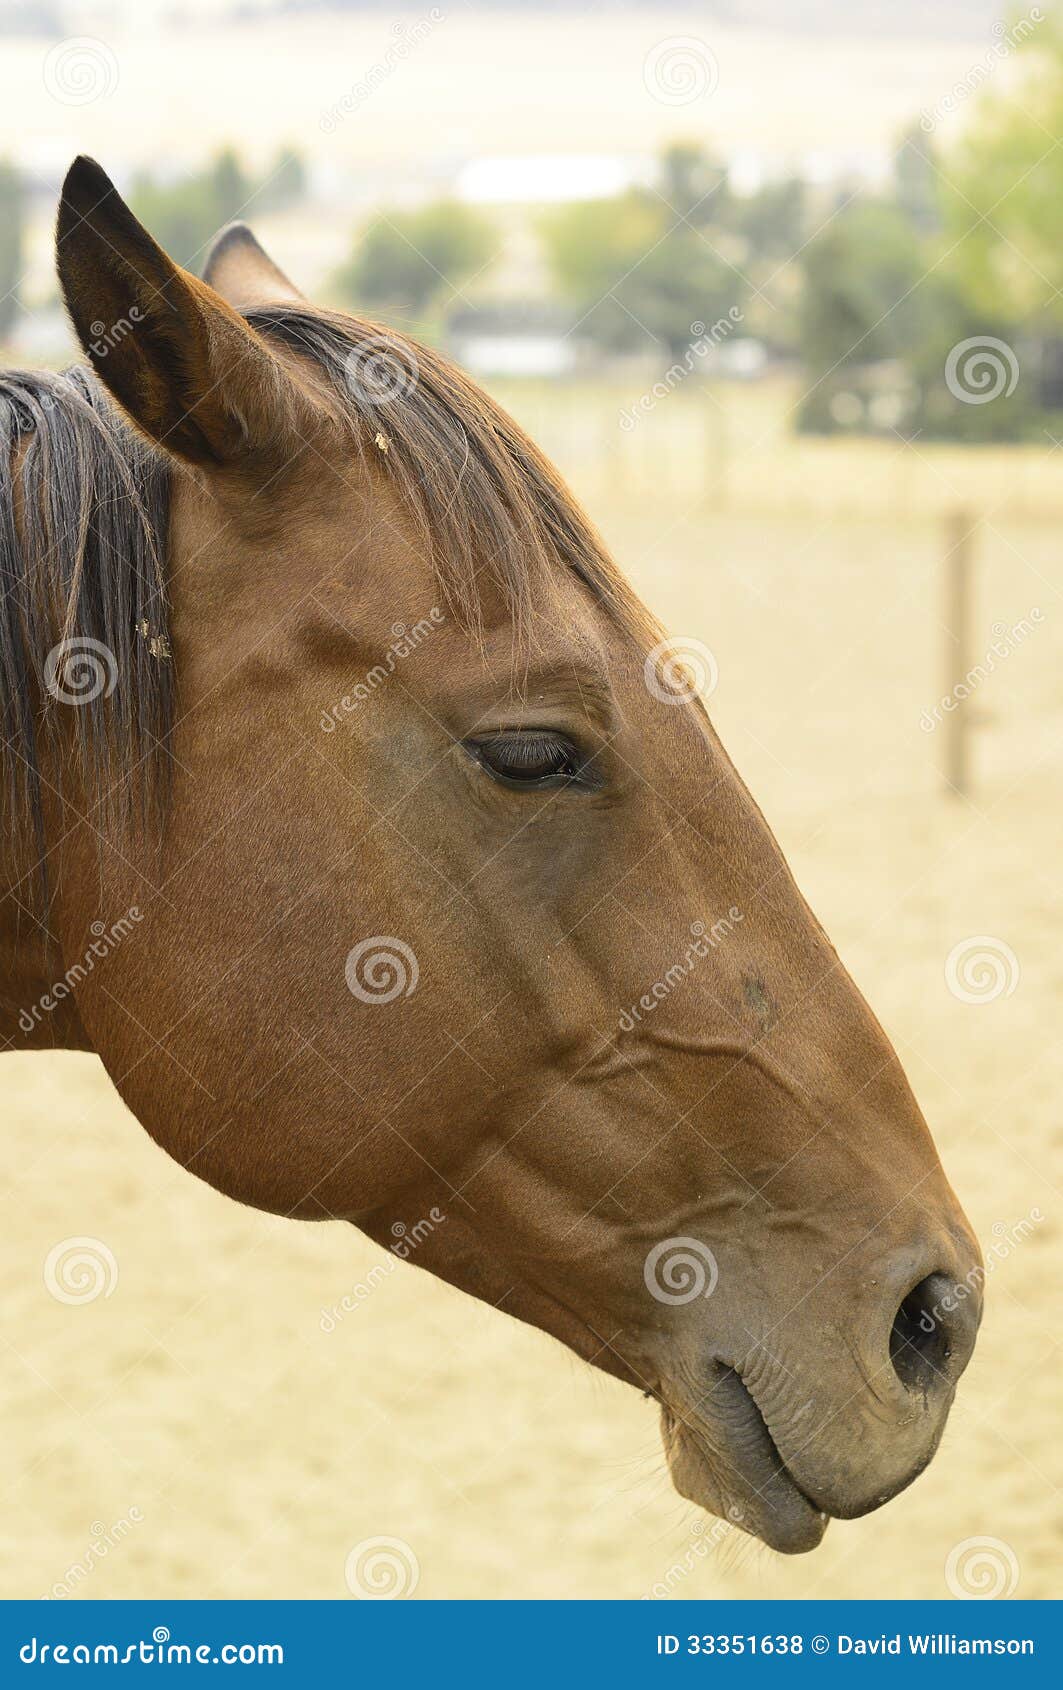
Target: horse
[(365, 826)]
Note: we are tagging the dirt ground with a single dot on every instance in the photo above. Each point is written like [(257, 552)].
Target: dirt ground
[(201, 1424)]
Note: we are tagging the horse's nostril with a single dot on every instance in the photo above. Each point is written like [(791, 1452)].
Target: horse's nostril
[(921, 1339)]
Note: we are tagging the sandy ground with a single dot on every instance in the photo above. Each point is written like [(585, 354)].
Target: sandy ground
[(200, 1425)]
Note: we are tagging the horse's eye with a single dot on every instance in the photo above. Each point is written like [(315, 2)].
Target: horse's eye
[(528, 757)]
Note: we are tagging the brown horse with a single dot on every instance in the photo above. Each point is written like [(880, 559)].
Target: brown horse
[(367, 831)]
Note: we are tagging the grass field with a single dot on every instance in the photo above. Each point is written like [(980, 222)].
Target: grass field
[(248, 1450)]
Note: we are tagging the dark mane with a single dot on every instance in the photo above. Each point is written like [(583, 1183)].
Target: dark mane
[(84, 508)]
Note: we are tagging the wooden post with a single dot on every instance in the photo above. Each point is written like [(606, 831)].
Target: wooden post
[(959, 533)]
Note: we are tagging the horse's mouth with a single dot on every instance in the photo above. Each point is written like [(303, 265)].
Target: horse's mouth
[(727, 1461)]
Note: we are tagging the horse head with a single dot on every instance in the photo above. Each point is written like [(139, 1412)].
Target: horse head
[(460, 910)]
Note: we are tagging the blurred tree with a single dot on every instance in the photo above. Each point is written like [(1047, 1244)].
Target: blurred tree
[(185, 215), (1006, 185), (882, 311), (862, 273), (635, 271), (917, 179), (593, 245), (407, 260), (998, 265), (12, 221), (681, 283), (285, 182), (693, 184), (181, 215), (773, 220), (861, 305), (227, 186), (984, 351)]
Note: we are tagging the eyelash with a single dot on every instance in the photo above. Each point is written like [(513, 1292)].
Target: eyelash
[(530, 759)]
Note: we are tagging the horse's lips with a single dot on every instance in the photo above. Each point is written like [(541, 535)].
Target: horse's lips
[(730, 1466)]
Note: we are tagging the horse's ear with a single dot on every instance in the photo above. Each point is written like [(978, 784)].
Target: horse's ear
[(187, 369), (244, 274)]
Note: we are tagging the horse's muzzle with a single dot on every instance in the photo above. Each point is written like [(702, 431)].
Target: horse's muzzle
[(830, 1414)]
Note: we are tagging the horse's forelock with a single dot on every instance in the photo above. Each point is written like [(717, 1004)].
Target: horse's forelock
[(490, 507)]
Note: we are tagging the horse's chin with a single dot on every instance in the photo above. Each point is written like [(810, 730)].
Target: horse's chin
[(742, 1478)]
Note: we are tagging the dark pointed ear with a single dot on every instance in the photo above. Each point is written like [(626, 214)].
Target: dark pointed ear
[(187, 369), (244, 274)]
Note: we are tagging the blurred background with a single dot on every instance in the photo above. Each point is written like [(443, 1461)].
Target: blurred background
[(779, 285)]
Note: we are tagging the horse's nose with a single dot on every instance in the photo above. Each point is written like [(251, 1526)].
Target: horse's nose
[(933, 1333)]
